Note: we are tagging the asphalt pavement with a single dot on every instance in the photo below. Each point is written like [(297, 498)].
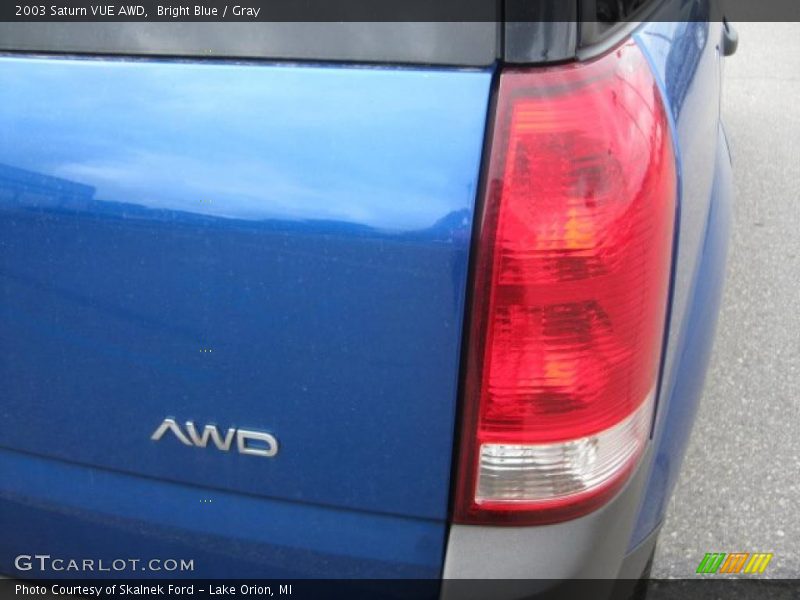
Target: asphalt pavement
[(739, 489)]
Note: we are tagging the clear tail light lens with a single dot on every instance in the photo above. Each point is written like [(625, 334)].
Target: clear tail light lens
[(570, 291)]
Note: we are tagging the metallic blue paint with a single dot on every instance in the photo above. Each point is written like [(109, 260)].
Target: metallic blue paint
[(280, 248), (686, 59), (71, 511)]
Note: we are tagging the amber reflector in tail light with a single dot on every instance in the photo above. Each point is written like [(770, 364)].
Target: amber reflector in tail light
[(570, 291)]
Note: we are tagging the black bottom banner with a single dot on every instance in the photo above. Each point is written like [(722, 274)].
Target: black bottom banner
[(301, 589)]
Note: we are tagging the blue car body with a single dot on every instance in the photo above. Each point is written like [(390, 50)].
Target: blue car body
[(287, 250), (688, 66), (283, 247)]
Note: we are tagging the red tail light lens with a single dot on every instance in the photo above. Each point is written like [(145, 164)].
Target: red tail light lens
[(570, 291)]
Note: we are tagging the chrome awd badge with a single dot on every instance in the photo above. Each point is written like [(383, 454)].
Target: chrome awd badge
[(252, 443)]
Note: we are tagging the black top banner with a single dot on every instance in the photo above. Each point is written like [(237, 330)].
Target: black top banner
[(395, 11)]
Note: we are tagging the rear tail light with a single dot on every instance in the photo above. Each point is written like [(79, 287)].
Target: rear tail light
[(571, 285)]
